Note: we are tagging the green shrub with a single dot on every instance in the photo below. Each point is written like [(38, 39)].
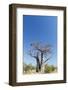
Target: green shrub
[(49, 68), (28, 68)]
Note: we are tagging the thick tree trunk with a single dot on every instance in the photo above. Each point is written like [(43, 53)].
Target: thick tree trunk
[(41, 58), (39, 63), (38, 66)]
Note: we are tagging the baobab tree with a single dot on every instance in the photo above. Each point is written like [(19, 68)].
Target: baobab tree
[(40, 52)]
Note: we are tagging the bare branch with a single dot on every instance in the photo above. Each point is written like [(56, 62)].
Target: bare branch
[(36, 46), (46, 60), (31, 54), (42, 48)]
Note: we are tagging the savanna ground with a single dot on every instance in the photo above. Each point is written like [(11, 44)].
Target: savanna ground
[(30, 69)]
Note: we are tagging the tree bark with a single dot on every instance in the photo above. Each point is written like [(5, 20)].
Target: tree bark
[(38, 66), (41, 58)]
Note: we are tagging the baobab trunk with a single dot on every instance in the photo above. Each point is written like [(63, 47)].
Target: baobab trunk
[(41, 58), (41, 61), (38, 66)]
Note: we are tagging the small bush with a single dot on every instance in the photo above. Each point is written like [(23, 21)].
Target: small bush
[(49, 68), (28, 68)]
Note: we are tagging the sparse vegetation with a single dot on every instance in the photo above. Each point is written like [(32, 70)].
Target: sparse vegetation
[(30, 69), (50, 68)]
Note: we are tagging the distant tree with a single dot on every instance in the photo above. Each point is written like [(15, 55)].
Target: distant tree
[(40, 52)]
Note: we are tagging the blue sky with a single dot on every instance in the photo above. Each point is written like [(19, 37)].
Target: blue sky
[(39, 29)]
